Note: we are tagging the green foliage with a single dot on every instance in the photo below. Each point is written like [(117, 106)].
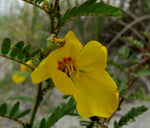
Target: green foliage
[(3, 109), (22, 98), (13, 53), (91, 7), (19, 51), (122, 88), (60, 111), (147, 5), (36, 1), (5, 46), (19, 44), (14, 109), (27, 48), (56, 114), (130, 116), (85, 123), (146, 34), (144, 72), (148, 54), (34, 53), (140, 94), (127, 54), (73, 127), (12, 112), (117, 65), (134, 42), (22, 114), (121, 83), (43, 123), (124, 52)]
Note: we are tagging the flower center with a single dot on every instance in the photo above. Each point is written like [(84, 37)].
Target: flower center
[(68, 66)]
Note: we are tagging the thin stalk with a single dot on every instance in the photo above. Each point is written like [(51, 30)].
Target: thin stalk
[(16, 120), (51, 24), (34, 4), (18, 61), (56, 5), (52, 15), (39, 98), (51, 19)]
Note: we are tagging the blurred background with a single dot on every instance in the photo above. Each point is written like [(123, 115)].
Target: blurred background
[(21, 21)]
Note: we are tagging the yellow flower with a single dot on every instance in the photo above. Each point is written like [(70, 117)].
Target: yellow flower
[(24, 68), (80, 71), (19, 77)]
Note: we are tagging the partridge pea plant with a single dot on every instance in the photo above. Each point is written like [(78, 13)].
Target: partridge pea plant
[(77, 71)]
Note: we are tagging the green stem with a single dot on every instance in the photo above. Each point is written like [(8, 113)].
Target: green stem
[(39, 98)]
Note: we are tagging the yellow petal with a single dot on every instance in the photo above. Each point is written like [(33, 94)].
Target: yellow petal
[(73, 45), (92, 55), (71, 49), (97, 95), (24, 68), (17, 78), (63, 83), (41, 73)]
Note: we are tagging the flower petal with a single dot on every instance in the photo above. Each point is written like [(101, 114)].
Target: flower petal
[(17, 78), (97, 57), (71, 49), (72, 44), (41, 73), (97, 95), (63, 83), (24, 68)]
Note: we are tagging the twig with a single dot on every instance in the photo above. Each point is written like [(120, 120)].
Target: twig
[(51, 24), (132, 29), (102, 123), (126, 28), (52, 15), (16, 120), (18, 61), (36, 5), (56, 5), (133, 16)]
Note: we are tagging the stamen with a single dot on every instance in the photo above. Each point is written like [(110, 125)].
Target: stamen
[(59, 65), (69, 58), (68, 67), (64, 59), (66, 72), (71, 66), (59, 68), (69, 71)]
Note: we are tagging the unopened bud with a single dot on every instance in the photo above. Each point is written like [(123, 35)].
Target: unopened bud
[(54, 42)]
